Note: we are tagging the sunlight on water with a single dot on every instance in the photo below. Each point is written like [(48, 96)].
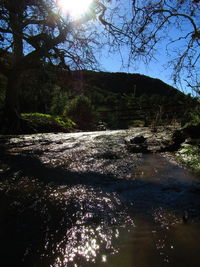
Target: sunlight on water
[(98, 217), (82, 242)]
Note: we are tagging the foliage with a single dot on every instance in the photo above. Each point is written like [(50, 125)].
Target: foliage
[(81, 110), (48, 123), (190, 155), (194, 116), (59, 101), (52, 91)]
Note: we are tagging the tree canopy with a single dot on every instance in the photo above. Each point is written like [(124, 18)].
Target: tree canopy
[(33, 31), (174, 28)]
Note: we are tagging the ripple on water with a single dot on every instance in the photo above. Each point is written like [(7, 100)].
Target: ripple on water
[(97, 218)]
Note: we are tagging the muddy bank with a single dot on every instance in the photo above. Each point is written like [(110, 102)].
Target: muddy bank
[(89, 199)]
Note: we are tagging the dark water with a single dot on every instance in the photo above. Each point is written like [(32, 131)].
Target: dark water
[(147, 216)]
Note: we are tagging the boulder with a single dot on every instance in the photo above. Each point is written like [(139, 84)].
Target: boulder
[(138, 140), (136, 144)]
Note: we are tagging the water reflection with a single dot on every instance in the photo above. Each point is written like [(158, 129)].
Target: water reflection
[(98, 217), (126, 216)]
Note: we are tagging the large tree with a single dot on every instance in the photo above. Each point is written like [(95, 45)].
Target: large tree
[(33, 32)]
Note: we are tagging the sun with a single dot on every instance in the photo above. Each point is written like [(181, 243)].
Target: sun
[(74, 8)]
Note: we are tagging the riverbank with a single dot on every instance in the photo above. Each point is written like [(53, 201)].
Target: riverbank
[(136, 140)]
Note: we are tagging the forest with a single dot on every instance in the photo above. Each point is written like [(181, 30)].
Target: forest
[(88, 100)]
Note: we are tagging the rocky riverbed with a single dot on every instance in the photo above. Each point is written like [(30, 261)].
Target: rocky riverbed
[(113, 198)]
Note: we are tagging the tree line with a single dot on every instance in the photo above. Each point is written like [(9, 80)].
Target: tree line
[(86, 96)]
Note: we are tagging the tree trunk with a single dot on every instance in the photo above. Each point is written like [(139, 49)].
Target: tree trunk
[(12, 121)]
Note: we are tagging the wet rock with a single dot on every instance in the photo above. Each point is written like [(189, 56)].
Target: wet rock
[(154, 144), (193, 141), (192, 131), (166, 144), (138, 140), (165, 139), (189, 135), (136, 144), (148, 144), (137, 148)]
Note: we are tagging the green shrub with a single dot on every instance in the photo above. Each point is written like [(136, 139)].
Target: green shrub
[(48, 123), (81, 110), (59, 100), (193, 116), (190, 155)]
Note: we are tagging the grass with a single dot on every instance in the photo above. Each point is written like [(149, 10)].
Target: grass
[(48, 123), (190, 156)]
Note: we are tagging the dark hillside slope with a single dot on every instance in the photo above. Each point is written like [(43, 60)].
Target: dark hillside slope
[(122, 83)]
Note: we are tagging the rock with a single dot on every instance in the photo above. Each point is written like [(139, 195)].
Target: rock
[(138, 139), (192, 141), (137, 148), (136, 144), (192, 131), (163, 141), (134, 148)]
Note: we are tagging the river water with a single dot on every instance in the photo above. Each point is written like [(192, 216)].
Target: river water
[(83, 199)]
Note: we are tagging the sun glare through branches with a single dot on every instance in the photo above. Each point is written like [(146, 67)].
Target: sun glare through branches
[(74, 8)]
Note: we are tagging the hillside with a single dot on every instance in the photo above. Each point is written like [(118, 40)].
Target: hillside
[(90, 98), (122, 83)]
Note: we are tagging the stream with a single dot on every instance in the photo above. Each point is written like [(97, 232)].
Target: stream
[(83, 199)]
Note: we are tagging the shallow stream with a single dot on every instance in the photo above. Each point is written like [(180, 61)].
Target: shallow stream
[(83, 200)]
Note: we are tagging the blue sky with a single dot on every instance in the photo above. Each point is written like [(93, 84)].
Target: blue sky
[(155, 69), (158, 67)]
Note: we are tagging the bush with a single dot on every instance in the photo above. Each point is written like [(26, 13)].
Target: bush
[(81, 110), (43, 123), (190, 156), (59, 100)]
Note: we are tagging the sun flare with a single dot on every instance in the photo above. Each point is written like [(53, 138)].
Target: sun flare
[(74, 8)]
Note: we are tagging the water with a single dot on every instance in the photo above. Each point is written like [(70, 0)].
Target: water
[(84, 200)]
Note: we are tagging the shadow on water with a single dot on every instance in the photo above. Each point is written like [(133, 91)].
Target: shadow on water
[(51, 216)]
